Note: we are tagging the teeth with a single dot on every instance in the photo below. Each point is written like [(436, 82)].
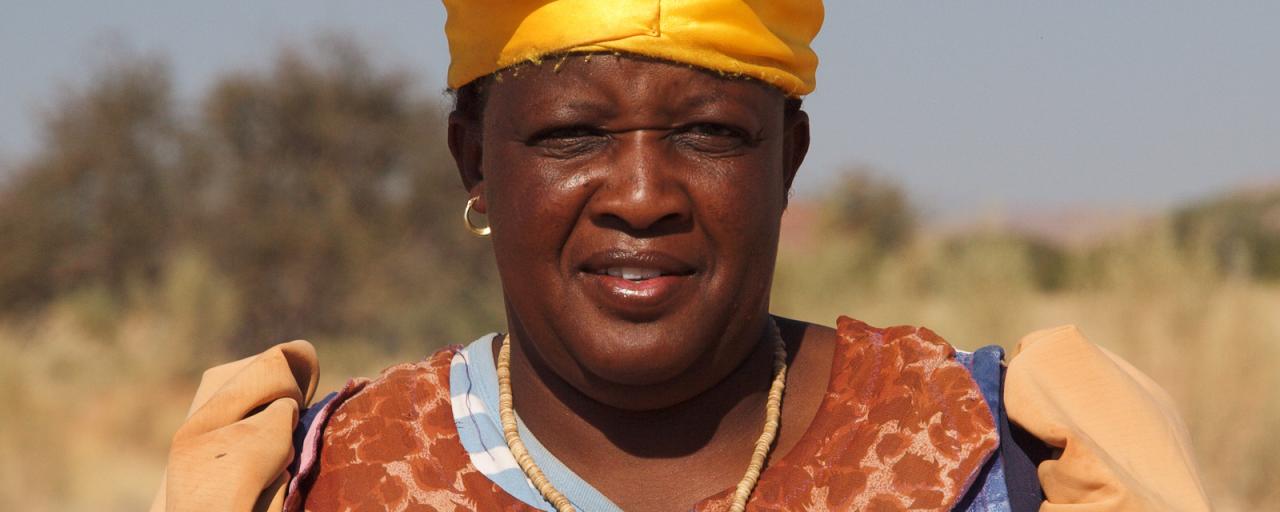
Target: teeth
[(633, 273)]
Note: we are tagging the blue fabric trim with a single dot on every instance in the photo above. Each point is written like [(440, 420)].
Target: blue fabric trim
[(305, 419), (989, 492)]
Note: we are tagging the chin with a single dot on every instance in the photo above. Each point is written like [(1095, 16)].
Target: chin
[(631, 357)]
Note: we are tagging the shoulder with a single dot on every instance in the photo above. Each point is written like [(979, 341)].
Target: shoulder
[(898, 402), (902, 355), (421, 379), (910, 344), (391, 441), (400, 395), (869, 357), (905, 337), (913, 367)]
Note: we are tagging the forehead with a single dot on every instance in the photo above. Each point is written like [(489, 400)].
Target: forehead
[(612, 81)]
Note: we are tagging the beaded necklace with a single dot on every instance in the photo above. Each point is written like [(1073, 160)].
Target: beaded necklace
[(773, 412)]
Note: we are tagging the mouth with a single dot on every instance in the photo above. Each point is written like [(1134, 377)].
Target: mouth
[(636, 265), (636, 285), (635, 274)]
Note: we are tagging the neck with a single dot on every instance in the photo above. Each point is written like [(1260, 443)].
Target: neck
[(724, 418), (692, 450)]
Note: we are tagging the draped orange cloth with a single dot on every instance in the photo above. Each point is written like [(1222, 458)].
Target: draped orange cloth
[(1123, 445), (764, 39), (233, 450)]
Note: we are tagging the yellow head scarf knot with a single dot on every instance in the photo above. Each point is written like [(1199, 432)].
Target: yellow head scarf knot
[(763, 39)]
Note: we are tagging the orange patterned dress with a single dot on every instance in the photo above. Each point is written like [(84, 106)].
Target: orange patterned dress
[(902, 426)]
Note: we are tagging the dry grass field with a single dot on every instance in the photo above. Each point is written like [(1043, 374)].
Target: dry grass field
[(91, 391)]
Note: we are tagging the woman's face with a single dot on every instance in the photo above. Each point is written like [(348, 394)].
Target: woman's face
[(635, 208)]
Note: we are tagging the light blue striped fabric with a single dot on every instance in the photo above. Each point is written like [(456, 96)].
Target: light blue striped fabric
[(473, 386)]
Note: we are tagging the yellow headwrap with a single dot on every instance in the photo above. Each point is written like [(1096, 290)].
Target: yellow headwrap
[(764, 39)]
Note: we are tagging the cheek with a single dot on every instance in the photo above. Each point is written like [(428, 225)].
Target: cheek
[(532, 209), (743, 208)]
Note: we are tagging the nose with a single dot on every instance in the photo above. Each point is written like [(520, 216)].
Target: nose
[(640, 191)]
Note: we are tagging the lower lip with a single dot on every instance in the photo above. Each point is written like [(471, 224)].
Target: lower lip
[(634, 298)]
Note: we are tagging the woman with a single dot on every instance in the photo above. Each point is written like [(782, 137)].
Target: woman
[(633, 160)]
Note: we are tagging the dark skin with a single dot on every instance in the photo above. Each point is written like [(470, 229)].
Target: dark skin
[(650, 381)]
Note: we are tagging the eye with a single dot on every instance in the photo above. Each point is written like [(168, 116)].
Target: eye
[(714, 137), (565, 132), (567, 141), (715, 130)]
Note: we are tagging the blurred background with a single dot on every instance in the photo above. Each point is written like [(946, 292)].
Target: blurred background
[(186, 184)]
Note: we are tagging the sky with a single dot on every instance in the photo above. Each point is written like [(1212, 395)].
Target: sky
[(971, 105)]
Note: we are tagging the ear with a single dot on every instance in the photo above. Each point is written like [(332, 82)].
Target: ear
[(795, 146), (465, 145)]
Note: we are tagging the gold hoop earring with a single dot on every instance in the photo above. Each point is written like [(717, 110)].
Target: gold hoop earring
[(466, 219)]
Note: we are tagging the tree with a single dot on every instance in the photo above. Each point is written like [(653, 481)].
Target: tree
[(94, 205), (321, 188)]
